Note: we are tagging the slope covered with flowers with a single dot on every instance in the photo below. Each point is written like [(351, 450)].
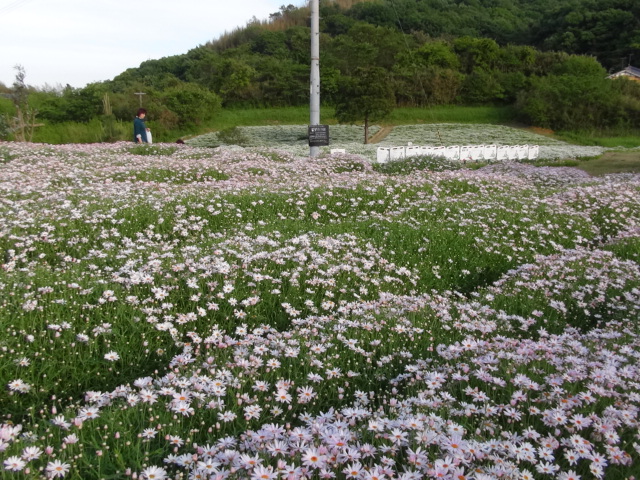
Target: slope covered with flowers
[(193, 313)]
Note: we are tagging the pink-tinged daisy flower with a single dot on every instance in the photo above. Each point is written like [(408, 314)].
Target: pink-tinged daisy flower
[(248, 461), (57, 469), (312, 458), (208, 466), (353, 470), (31, 453), (19, 386), (374, 474), (14, 463), (263, 473), (569, 475), (154, 473), (283, 396), (148, 433), (175, 440), (88, 413)]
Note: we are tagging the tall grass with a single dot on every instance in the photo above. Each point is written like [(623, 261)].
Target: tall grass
[(399, 116), (228, 118), (93, 131), (451, 114), (612, 162), (624, 138), (96, 131)]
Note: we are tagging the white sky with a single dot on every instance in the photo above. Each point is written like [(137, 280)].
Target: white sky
[(75, 42)]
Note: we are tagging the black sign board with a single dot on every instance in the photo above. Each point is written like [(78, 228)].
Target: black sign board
[(318, 135)]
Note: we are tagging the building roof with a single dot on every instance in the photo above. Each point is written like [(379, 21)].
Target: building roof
[(627, 72)]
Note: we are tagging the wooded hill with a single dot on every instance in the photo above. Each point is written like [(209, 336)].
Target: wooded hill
[(549, 58)]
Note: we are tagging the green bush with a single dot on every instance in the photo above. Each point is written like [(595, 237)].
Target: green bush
[(571, 102), (232, 136), (192, 103)]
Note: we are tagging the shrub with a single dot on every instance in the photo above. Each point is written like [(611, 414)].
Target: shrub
[(570, 102), (233, 136), (192, 103)]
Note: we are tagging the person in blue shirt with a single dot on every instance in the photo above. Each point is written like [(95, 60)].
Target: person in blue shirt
[(139, 127)]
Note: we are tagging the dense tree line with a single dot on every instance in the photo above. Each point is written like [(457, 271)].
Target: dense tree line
[(549, 58)]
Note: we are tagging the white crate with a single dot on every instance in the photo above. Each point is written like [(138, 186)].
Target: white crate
[(523, 152), (382, 155), (396, 153), (427, 151), (476, 152), (465, 153), (411, 151), (490, 152), (452, 152), (439, 151), (502, 153)]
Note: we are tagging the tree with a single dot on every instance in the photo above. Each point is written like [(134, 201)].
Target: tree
[(192, 103), (481, 87), (437, 54), (237, 82), (476, 53), (23, 123), (577, 97), (366, 96)]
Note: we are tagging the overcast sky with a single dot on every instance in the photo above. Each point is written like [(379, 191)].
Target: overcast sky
[(75, 42)]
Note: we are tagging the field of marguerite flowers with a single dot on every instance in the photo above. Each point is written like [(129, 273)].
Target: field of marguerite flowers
[(349, 138), (194, 313)]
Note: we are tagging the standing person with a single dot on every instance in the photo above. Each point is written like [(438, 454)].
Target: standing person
[(139, 127)]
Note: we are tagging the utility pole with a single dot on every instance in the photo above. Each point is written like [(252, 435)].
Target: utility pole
[(140, 96), (315, 71)]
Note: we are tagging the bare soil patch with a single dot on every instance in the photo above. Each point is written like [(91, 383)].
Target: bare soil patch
[(380, 134)]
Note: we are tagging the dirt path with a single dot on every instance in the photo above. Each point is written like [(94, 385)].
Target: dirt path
[(380, 135)]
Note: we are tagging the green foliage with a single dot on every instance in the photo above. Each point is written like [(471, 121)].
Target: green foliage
[(367, 97), (69, 104), (99, 129), (23, 123), (408, 165), (271, 44), (579, 66), (5, 154), (476, 53), (607, 29), (192, 103), (236, 82), (626, 248), (572, 101), (232, 136), (4, 127), (440, 52), (481, 87), (168, 175), (146, 149), (452, 114)]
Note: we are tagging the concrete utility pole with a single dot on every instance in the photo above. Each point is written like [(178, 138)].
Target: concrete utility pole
[(315, 70)]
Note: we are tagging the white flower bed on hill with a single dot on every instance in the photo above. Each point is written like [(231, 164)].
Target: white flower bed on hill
[(349, 137)]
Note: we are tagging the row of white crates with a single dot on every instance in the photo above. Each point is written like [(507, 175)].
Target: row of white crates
[(461, 153)]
